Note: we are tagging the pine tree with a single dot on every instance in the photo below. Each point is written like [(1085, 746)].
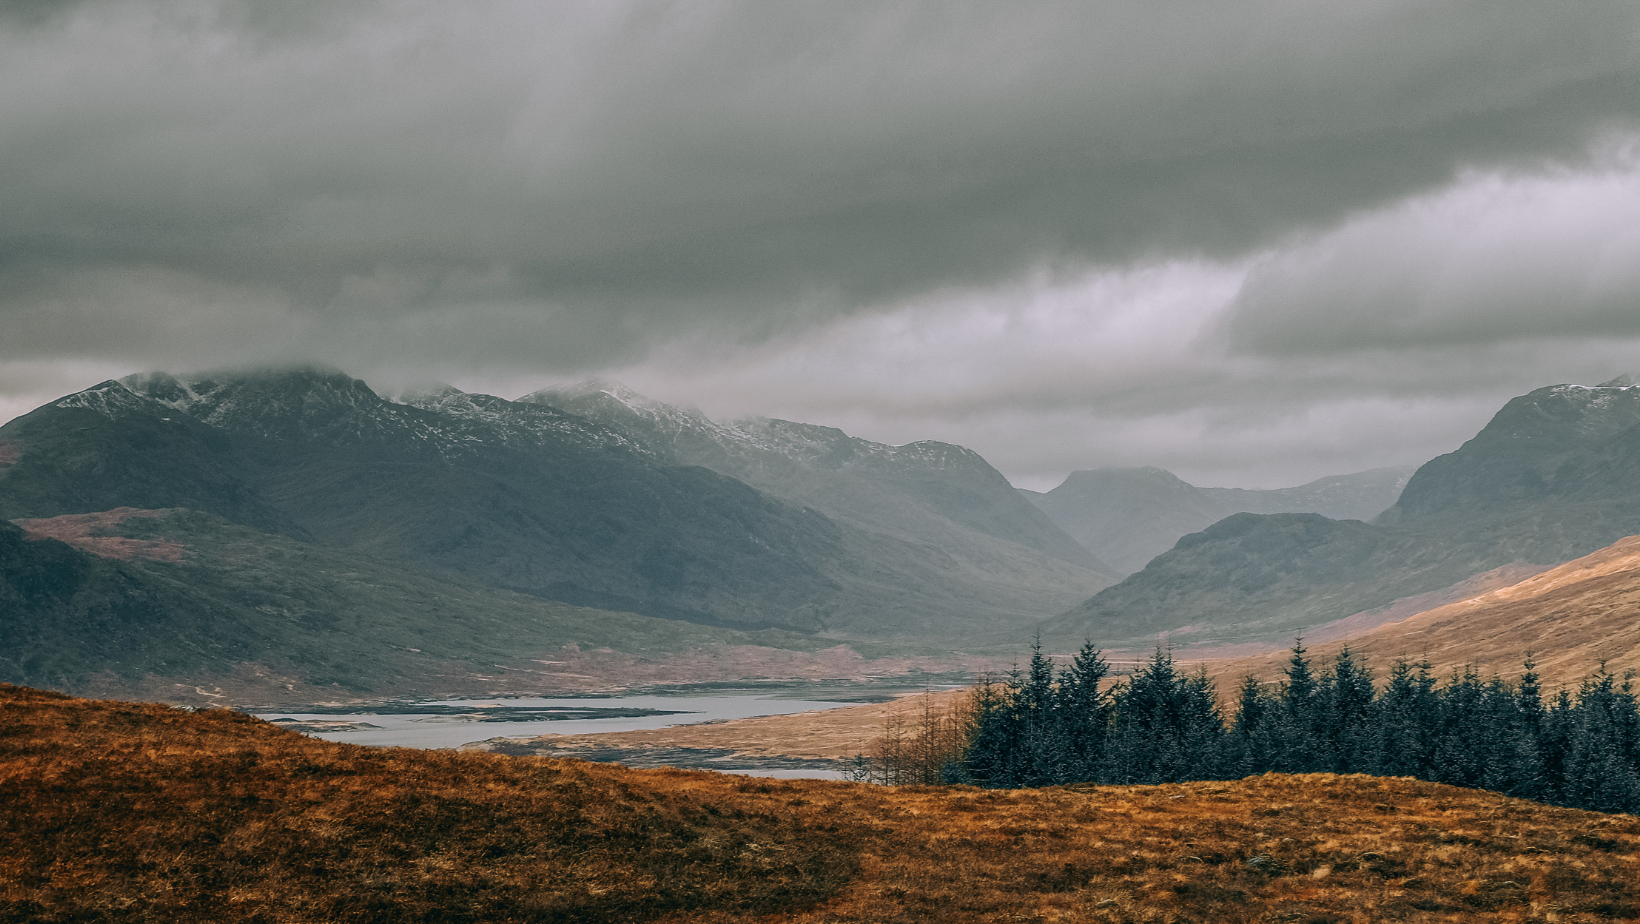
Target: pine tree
[(1406, 714), (1166, 727), (1041, 758), (1344, 716), (1459, 742), (1554, 743), (989, 758), (1083, 713), (1299, 752), (1253, 742), (1599, 771)]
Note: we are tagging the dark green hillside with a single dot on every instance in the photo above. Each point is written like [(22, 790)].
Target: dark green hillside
[(1253, 575), (321, 615), (106, 447), (65, 614), (526, 497), (1538, 448), (673, 542)]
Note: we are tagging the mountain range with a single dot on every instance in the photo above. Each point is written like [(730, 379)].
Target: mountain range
[(1553, 476), (781, 528), (1127, 516), (300, 522)]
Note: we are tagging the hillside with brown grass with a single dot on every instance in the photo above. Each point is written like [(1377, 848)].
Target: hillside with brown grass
[(1572, 618), (93, 532), (134, 812)]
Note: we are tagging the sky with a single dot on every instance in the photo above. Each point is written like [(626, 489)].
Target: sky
[(1253, 243)]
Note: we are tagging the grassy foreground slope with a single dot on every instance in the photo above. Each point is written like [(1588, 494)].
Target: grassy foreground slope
[(135, 812)]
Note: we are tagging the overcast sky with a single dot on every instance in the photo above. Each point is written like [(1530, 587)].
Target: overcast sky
[(1254, 243)]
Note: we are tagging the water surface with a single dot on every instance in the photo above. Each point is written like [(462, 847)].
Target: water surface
[(441, 727)]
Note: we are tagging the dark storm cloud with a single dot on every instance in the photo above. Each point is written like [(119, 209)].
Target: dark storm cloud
[(1250, 241), (756, 164)]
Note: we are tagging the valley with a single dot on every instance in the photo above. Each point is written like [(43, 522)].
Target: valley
[(730, 462), (291, 536)]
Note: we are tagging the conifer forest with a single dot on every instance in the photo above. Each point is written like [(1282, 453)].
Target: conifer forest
[(1042, 726)]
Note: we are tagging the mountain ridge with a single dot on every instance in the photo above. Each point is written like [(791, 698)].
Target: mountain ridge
[(1128, 516), (1554, 475), (518, 496), (778, 455)]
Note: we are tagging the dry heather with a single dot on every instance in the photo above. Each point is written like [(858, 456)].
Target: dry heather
[(132, 812), (95, 533)]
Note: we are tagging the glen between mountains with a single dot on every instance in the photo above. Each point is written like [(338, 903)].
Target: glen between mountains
[(296, 522)]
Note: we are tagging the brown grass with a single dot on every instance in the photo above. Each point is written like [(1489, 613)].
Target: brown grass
[(133, 812), (89, 532), (1572, 617), (831, 734), (9, 454)]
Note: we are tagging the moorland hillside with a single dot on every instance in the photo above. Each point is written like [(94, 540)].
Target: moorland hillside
[(135, 812), (1572, 619)]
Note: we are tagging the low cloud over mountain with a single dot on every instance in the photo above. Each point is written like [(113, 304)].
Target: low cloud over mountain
[(1253, 245)]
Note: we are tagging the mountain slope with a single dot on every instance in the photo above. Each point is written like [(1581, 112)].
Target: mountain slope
[(918, 491), (187, 595), (1572, 618), (537, 501), (1128, 516), (1252, 576), (109, 447), (518, 496), (1538, 447), (1554, 476)]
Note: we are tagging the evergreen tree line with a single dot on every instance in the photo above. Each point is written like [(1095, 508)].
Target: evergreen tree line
[(1042, 727)]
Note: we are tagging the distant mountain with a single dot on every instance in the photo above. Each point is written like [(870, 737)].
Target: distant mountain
[(179, 594), (926, 492), (1264, 576), (527, 499), (1128, 516), (1565, 443), (518, 496), (1357, 496), (1555, 475)]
